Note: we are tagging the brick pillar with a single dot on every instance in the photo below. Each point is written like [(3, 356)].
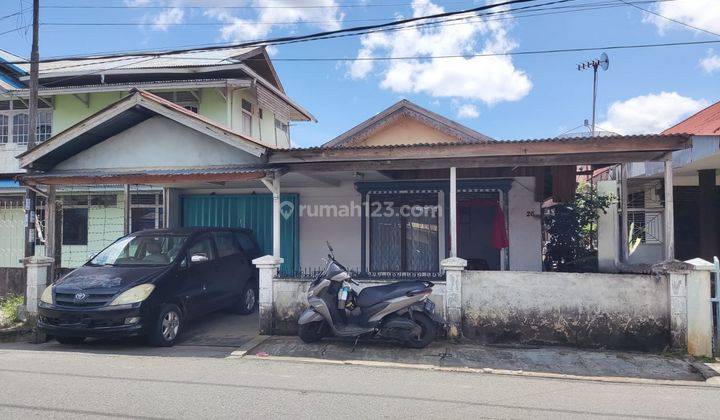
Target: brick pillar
[(267, 266), (453, 294), (690, 308), (37, 269)]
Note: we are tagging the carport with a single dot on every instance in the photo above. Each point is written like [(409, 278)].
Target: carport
[(144, 142)]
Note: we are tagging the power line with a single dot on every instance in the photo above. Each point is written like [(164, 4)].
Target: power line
[(578, 7), (669, 18), (245, 7), (509, 53), (319, 35)]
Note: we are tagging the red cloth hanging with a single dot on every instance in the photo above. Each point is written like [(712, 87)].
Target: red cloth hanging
[(499, 238)]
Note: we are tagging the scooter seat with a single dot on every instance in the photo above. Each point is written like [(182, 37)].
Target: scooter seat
[(372, 295)]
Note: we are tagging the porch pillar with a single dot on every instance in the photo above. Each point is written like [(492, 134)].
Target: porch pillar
[(669, 213), (625, 223), (126, 210), (273, 184), (50, 229), (37, 279), (453, 267), (453, 212)]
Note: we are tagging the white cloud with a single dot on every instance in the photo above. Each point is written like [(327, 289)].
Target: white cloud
[(275, 14), (704, 14), (711, 62), (168, 17), (488, 79), (468, 111), (650, 113)]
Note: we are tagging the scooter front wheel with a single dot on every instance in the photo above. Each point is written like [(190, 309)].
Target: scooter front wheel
[(312, 332)]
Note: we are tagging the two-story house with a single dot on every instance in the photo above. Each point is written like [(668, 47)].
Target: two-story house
[(236, 88)]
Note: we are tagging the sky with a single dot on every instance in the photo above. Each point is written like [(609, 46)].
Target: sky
[(644, 90)]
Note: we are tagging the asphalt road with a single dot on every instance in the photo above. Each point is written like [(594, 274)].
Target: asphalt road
[(72, 384)]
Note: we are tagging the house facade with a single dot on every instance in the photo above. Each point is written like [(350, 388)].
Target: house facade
[(695, 198), (236, 88)]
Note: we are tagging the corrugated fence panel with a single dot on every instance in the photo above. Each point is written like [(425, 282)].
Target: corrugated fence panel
[(251, 211)]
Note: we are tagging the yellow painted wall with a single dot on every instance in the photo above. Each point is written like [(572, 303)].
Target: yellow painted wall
[(406, 130)]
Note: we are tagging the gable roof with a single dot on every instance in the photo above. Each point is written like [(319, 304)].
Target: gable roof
[(123, 114), (704, 123), (255, 58), (405, 108)]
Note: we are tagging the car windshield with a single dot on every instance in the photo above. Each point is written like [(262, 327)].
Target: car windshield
[(155, 250)]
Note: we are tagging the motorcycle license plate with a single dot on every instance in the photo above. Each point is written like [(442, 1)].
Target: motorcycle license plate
[(430, 306)]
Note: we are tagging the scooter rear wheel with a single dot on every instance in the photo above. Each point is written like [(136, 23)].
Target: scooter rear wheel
[(312, 332), (428, 333)]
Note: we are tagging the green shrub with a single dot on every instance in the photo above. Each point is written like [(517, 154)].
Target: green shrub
[(9, 309)]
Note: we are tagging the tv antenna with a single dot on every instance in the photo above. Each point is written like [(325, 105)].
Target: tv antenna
[(603, 62)]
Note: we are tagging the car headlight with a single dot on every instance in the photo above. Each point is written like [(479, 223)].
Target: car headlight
[(47, 295), (134, 295)]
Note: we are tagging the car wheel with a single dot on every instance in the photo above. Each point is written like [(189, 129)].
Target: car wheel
[(167, 326), (428, 331), (247, 302), (70, 340)]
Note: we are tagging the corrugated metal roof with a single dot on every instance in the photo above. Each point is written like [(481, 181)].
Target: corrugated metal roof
[(703, 123), (199, 170), (129, 62), (582, 139)]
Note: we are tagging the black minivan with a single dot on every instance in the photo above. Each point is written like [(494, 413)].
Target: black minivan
[(151, 282)]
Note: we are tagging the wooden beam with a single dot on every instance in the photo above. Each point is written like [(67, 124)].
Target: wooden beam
[(84, 98), (563, 183), (139, 179), (51, 238), (624, 220), (474, 162), (126, 210), (539, 192), (588, 147)]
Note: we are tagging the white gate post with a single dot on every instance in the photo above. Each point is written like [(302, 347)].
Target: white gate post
[(453, 267), (267, 266), (36, 268)]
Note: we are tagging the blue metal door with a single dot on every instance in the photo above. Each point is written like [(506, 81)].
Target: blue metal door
[(251, 211)]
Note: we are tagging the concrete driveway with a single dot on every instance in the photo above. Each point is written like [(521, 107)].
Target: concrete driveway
[(214, 335)]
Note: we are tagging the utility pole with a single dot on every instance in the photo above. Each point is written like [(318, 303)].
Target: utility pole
[(30, 215)]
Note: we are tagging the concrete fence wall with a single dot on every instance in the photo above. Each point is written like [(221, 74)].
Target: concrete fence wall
[(629, 312), (670, 309), (290, 300)]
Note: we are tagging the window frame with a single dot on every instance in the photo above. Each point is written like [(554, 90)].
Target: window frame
[(158, 205), (245, 113), (45, 118)]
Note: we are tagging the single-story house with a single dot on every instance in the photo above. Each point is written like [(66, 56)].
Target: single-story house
[(405, 194)]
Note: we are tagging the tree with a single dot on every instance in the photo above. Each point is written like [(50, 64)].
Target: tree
[(572, 230)]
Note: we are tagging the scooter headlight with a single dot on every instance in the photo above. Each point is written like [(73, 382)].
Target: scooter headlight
[(134, 295)]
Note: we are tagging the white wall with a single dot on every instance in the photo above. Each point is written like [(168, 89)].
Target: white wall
[(157, 142), (584, 309), (8, 163), (525, 226)]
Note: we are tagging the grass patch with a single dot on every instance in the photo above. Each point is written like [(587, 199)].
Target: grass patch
[(9, 309)]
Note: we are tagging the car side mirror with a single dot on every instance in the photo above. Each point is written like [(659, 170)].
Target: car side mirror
[(199, 258)]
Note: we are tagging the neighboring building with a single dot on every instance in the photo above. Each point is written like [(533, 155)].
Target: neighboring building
[(696, 193), (235, 88)]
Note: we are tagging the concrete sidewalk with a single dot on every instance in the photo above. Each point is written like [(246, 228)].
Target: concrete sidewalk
[(541, 361)]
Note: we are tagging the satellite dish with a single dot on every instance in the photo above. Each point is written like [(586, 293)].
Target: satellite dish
[(604, 61)]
